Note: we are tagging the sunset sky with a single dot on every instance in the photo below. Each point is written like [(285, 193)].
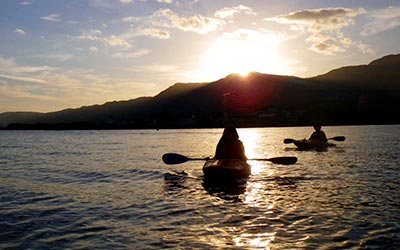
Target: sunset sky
[(57, 54)]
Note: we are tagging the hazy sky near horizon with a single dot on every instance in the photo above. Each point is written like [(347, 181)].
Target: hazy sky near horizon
[(57, 54)]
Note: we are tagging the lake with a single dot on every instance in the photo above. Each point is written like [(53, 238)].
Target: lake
[(111, 190)]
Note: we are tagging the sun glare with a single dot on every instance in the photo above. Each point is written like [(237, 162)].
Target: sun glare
[(242, 52)]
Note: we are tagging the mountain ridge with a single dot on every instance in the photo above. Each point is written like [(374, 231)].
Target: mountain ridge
[(290, 101)]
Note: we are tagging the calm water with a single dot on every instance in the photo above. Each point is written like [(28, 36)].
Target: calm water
[(110, 190)]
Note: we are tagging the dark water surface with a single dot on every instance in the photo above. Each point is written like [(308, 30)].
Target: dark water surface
[(110, 190)]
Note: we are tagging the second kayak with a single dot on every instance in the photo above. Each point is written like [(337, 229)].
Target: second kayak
[(312, 144)]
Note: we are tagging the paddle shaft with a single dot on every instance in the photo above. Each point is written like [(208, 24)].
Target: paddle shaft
[(336, 138), (173, 158)]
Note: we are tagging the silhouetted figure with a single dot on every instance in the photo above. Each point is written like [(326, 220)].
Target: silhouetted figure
[(229, 146), (318, 134)]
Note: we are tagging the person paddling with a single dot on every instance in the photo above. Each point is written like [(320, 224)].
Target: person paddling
[(229, 146), (318, 134)]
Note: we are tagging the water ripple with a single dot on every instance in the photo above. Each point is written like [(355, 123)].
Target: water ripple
[(110, 190)]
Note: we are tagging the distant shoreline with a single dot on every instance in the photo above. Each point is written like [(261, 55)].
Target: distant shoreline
[(65, 127)]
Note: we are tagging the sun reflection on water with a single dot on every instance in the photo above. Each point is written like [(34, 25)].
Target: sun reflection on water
[(260, 240), (250, 141), (254, 195)]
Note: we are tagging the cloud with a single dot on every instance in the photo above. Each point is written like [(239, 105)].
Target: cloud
[(229, 12), (161, 68), (327, 47), (25, 3), (246, 35), (131, 19), (58, 57), (103, 5), (40, 76), (48, 89), (109, 5), (155, 25), (115, 41), (21, 92), (6, 63), (324, 27), (46, 83), (96, 35), (20, 32), (135, 54), (9, 66), (23, 78), (199, 24), (52, 18), (320, 19), (94, 32), (328, 44), (152, 32), (142, 27), (364, 48), (47, 92), (165, 1), (10, 70), (383, 19)]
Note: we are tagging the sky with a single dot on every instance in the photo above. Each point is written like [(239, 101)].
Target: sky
[(58, 54)]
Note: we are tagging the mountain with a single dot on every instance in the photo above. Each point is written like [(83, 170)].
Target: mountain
[(364, 94), (381, 74)]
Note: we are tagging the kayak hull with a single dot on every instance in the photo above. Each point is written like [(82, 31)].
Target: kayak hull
[(312, 145), (226, 169)]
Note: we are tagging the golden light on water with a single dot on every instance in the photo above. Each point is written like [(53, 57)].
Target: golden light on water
[(261, 240), (250, 142), (250, 139), (254, 195)]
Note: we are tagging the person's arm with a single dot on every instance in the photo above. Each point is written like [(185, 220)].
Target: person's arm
[(323, 136), (241, 151), (218, 151)]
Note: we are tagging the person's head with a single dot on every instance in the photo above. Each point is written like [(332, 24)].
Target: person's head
[(317, 127), (230, 132)]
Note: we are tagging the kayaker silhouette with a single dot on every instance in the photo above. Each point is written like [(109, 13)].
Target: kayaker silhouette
[(318, 134), (229, 146)]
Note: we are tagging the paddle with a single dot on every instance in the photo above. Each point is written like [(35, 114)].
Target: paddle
[(336, 138), (173, 158)]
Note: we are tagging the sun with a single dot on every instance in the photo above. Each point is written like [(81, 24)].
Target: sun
[(241, 52)]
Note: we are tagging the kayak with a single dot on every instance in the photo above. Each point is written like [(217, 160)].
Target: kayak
[(226, 169), (312, 144)]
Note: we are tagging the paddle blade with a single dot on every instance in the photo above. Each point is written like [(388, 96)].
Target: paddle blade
[(338, 138), (172, 158), (289, 160), (288, 141)]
